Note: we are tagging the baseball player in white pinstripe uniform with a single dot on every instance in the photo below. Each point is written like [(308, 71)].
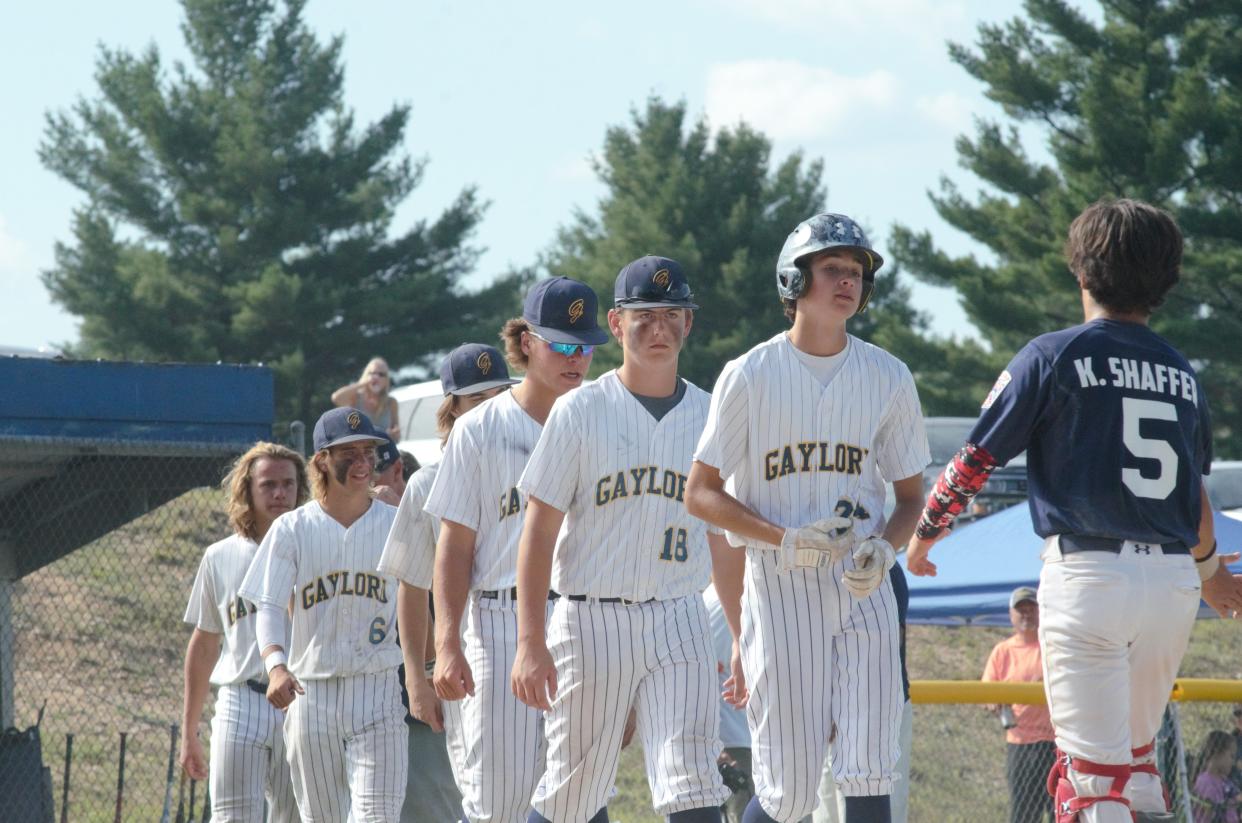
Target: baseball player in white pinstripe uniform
[(807, 427), (630, 563), (248, 765), (345, 727), (469, 375), (495, 741)]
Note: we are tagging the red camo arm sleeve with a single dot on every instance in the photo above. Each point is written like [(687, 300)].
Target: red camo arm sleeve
[(955, 488)]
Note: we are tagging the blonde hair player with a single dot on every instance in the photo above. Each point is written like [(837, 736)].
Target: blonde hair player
[(607, 528), (335, 668), (469, 375), (248, 765), (496, 742), (807, 428)]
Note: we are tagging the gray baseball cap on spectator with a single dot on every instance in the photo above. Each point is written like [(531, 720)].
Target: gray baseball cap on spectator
[(1022, 593)]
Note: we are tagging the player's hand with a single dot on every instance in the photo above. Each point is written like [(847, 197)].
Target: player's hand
[(453, 679), (1223, 590), (830, 539), (872, 560), (916, 555), (534, 676), (192, 760), (283, 688), (735, 692), (424, 705)]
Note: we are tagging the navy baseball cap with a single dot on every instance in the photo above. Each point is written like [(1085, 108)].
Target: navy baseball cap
[(344, 425), (473, 367), (386, 454), (652, 282), (561, 310)]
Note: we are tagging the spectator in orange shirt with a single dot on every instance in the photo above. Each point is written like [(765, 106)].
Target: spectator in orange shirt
[(1028, 729)]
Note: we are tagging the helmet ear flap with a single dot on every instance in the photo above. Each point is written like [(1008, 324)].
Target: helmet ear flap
[(792, 283), (868, 288)]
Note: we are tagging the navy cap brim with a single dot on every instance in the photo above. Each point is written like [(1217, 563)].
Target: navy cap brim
[(586, 337), (475, 388), (657, 304), (351, 438)]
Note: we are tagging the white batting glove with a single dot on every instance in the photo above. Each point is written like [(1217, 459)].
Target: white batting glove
[(820, 544), (872, 560)]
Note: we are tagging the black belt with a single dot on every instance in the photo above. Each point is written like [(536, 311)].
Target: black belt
[(257, 686), (582, 598), (1073, 543), (495, 594)]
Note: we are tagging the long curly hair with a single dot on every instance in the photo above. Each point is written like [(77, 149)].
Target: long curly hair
[(236, 484)]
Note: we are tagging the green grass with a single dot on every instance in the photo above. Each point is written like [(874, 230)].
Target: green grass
[(100, 639)]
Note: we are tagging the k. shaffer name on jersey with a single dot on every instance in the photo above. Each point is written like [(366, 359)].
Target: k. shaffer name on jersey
[(336, 584), (638, 481), (813, 456), (1128, 373)]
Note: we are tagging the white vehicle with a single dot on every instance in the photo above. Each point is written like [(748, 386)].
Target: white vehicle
[(1006, 486), (1224, 487), (416, 412)]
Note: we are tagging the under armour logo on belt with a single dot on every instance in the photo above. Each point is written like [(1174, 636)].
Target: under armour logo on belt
[(1142, 548)]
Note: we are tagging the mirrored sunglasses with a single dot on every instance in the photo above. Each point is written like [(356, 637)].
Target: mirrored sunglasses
[(567, 349)]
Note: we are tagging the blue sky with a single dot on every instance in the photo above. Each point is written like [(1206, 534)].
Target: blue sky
[(515, 98)]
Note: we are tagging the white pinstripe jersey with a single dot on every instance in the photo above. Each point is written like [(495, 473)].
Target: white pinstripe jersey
[(215, 606), (477, 485), (410, 553), (343, 608), (798, 451), (620, 477)]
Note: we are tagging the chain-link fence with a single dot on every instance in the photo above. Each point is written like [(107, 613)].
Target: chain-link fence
[(96, 644), (96, 639), (963, 771)]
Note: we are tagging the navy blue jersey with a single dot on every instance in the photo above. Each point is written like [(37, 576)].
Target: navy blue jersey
[(1116, 431)]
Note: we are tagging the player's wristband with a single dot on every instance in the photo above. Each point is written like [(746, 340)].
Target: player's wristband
[(429, 668), (276, 658), (1208, 564)]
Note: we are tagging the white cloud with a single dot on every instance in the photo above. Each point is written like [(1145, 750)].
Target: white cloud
[(947, 109), (788, 99), (926, 18)]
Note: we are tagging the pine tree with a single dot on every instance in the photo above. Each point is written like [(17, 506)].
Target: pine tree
[(235, 211), (1144, 104), (715, 203)]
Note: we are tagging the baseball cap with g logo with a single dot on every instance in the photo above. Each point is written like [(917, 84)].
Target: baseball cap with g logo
[(344, 425), (652, 282), (472, 368), (561, 310)]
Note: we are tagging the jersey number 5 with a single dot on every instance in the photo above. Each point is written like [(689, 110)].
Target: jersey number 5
[(1133, 413)]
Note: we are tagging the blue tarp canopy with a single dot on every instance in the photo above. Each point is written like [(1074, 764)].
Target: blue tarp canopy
[(979, 564)]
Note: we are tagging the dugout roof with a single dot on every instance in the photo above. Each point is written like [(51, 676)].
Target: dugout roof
[(87, 446)]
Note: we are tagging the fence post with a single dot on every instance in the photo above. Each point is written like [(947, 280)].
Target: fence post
[(297, 436), (64, 798), (1183, 777), (8, 573)]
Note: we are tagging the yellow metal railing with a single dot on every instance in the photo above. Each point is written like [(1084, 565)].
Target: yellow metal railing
[(1190, 689)]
